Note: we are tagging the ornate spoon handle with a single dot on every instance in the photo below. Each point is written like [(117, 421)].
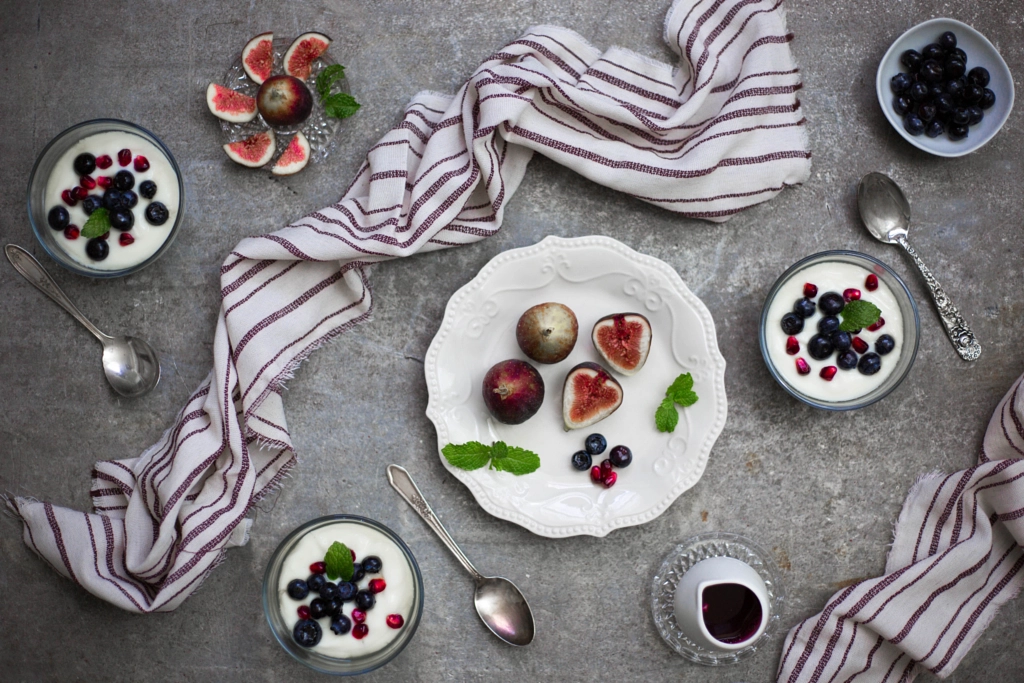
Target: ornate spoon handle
[(964, 341)]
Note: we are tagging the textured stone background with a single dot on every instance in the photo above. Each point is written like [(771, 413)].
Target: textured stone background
[(821, 490)]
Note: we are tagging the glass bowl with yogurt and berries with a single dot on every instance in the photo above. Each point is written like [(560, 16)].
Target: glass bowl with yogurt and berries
[(839, 330), (343, 594), (105, 198)]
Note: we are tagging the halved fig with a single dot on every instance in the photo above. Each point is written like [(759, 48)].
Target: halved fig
[(547, 332), (590, 395), (294, 158), (230, 105), (303, 51), (623, 340), (253, 151), (258, 57)]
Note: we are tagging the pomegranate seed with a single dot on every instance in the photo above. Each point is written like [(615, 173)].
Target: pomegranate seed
[(395, 620), (358, 616), (104, 161), (359, 631), (79, 193), (104, 236), (871, 282), (87, 182), (318, 567), (609, 480), (595, 474), (124, 157), (377, 585), (827, 373), (876, 326), (72, 232), (68, 198), (141, 164), (353, 553), (851, 294), (606, 467), (810, 291), (303, 612), (859, 345), (125, 239), (105, 181), (792, 346), (802, 367)]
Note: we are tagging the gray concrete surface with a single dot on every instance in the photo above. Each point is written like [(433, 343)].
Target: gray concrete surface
[(821, 490)]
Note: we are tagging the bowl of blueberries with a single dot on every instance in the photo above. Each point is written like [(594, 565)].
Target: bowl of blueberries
[(944, 87)]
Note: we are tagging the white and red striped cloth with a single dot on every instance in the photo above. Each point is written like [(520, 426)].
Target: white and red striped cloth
[(956, 558), (718, 133)]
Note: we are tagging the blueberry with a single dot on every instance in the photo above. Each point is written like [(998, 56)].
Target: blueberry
[(932, 51), (307, 632), (978, 76), (932, 71), (804, 307), (831, 303), (129, 199), (582, 461), (91, 203), (947, 40), (156, 213), (124, 180), (791, 323), (334, 606), (911, 59), (372, 564), (111, 200), (841, 340), (954, 68), (913, 124), (869, 363), (318, 608), (973, 94), (621, 456), (934, 90), (957, 133), (958, 54), (899, 83), (934, 129), (365, 600), (976, 115), (944, 103), (97, 249), (122, 219), (58, 218), (961, 116), (85, 164), (147, 188), (595, 444), (329, 591), (885, 344), (847, 360), (919, 91), (828, 324), (901, 104), (341, 625), (927, 112), (347, 590), (357, 572), (988, 98), (956, 88), (297, 589), (820, 347), (316, 582)]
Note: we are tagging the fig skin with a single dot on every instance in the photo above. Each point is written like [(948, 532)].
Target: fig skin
[(513, 391), (547, 332), (611, 397), (284, 101)]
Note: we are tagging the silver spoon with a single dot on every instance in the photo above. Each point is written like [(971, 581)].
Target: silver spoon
[(499, 603), (886, 214), (131, 365)]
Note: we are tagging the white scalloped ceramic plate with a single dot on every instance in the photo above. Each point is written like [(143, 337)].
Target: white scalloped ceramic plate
[(594, 276)]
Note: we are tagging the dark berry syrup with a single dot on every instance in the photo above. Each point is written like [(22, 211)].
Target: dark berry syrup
[(732, 613)]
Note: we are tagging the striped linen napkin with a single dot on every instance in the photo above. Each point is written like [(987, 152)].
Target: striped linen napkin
[(718, 134), (956, 558)]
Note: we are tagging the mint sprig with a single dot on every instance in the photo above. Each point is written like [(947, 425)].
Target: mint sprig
[(666, 417), (326, 78), (98, 224), (858, 314), (473, 455), (340, 105), (338, 561)]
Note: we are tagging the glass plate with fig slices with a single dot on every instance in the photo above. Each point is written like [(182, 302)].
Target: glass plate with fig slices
[(281, 103)]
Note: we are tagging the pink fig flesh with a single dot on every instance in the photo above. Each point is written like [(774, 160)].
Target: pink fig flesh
[(624, 341), (590, 394), (513, 391), (547, 332)]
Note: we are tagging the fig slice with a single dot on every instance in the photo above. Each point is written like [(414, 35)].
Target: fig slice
[(623, 340), (258, 57), (547, 332), (294, 158), (590, 394), (303, 51), (230, 105), (254, 151)]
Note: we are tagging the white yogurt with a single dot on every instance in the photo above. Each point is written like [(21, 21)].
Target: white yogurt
[(148, 238), (847, 384), (397, 597)]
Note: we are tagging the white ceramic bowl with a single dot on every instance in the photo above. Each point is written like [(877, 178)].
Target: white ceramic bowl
[(980, 52)]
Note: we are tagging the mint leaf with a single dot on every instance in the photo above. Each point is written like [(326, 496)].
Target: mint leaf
[(98, 224), (516, 460), (499, 450), (339, 562), (327, 77), (467, 456), (340, 105), (857, 314), (666, 417), (681, 390)]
